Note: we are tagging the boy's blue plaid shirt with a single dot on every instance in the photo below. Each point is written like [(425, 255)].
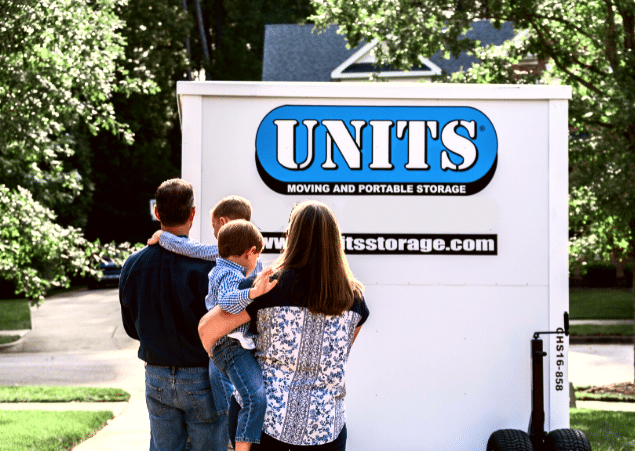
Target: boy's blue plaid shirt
[(232, 300)]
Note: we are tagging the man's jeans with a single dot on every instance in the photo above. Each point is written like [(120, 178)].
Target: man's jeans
[(245, 375), (181, 405)]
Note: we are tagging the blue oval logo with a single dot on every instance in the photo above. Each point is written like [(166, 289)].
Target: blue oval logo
[(376, 150)]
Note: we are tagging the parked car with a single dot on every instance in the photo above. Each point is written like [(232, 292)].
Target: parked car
[(110, 272)]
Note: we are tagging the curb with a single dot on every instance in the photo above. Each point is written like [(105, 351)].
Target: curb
[(600, 339), (115, 407)]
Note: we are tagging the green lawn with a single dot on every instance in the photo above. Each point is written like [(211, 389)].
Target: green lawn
[(39, 430), (39, 393), (594, 329), (8, 339), (606, 431), (600, 304), (14, 314)]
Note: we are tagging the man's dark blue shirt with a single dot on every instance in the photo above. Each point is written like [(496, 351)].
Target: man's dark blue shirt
[(162, 296)]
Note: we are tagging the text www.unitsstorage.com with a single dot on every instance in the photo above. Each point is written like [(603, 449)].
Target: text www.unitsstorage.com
[(371, 243)]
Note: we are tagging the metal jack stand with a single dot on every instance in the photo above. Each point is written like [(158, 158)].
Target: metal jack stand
[(538, 439)]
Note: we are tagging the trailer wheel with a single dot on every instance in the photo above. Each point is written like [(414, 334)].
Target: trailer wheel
[(509, 440), (566, 440)]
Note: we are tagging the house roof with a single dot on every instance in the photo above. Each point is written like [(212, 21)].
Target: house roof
[(301, 53)]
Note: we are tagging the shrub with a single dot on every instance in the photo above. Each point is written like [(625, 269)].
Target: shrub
[(37, 254)]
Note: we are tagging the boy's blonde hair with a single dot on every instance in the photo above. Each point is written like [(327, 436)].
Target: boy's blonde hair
[(232, 207), (237, 237)]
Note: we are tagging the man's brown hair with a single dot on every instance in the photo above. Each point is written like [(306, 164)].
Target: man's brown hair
[(175, 201), (237, 237), (233, 207)]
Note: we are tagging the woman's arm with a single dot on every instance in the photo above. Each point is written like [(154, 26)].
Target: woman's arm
[(216, 324), (357, 329)]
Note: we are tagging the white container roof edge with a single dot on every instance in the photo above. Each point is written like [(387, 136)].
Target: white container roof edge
[(432, 91)]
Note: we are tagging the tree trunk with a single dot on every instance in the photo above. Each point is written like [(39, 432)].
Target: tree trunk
[(201, 31), (187, 49), (631, 223)]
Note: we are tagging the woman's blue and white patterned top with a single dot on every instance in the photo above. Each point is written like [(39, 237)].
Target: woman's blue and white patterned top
[(303, 359)]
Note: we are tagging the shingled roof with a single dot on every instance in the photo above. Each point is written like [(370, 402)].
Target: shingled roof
[(301, 53)]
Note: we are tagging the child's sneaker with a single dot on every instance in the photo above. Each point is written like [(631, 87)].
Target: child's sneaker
[(245, 342)]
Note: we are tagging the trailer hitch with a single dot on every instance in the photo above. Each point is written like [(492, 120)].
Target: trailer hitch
[(537, 431)]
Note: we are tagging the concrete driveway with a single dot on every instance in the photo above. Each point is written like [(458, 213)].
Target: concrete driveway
[(77, 338)]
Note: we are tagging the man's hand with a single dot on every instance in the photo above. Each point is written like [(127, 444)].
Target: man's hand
[(155, 238), (263, 284)]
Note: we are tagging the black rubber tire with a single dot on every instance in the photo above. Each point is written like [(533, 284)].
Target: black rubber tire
[(566, 440), (509, 440)]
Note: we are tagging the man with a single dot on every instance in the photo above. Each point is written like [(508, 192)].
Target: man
[(162, 296)]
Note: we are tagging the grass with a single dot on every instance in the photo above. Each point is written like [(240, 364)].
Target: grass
[(4, 339), (606, 430), (14, 314), (600, 304), (595, 329), (39, 430), (38, 393)]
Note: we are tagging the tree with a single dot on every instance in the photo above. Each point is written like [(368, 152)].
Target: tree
[(124, 175), (58, 62), (59, 67), (225, 43), (36, 253), (588, 45)]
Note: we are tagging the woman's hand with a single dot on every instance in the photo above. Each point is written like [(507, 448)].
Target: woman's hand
[(216, 324), (263, 284)]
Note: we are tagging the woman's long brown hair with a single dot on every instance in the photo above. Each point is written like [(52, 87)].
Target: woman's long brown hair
[(314, 251)]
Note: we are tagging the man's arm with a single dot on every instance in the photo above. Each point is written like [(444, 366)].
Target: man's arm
[(126, 314), (188, 247)]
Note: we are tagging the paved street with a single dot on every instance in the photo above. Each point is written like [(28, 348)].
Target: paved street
[(77, 339)]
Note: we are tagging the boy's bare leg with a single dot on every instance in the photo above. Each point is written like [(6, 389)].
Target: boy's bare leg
[(243, 446), (216, 324)]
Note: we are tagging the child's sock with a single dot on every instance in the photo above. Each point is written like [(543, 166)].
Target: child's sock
[(245, 342)]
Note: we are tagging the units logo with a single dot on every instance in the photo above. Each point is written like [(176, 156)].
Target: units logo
[(360, 150)]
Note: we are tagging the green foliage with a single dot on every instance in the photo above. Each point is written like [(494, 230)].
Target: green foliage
[(122, 177), (589, 45), (56, 431), (36, 253), (58, 66), (41, 393)]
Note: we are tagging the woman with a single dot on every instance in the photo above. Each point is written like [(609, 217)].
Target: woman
[(306, 326)]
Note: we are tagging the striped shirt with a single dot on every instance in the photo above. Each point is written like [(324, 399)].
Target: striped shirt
[(190, 248), (223, 291)]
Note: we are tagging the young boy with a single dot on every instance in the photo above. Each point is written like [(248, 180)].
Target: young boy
[(239, 247)]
